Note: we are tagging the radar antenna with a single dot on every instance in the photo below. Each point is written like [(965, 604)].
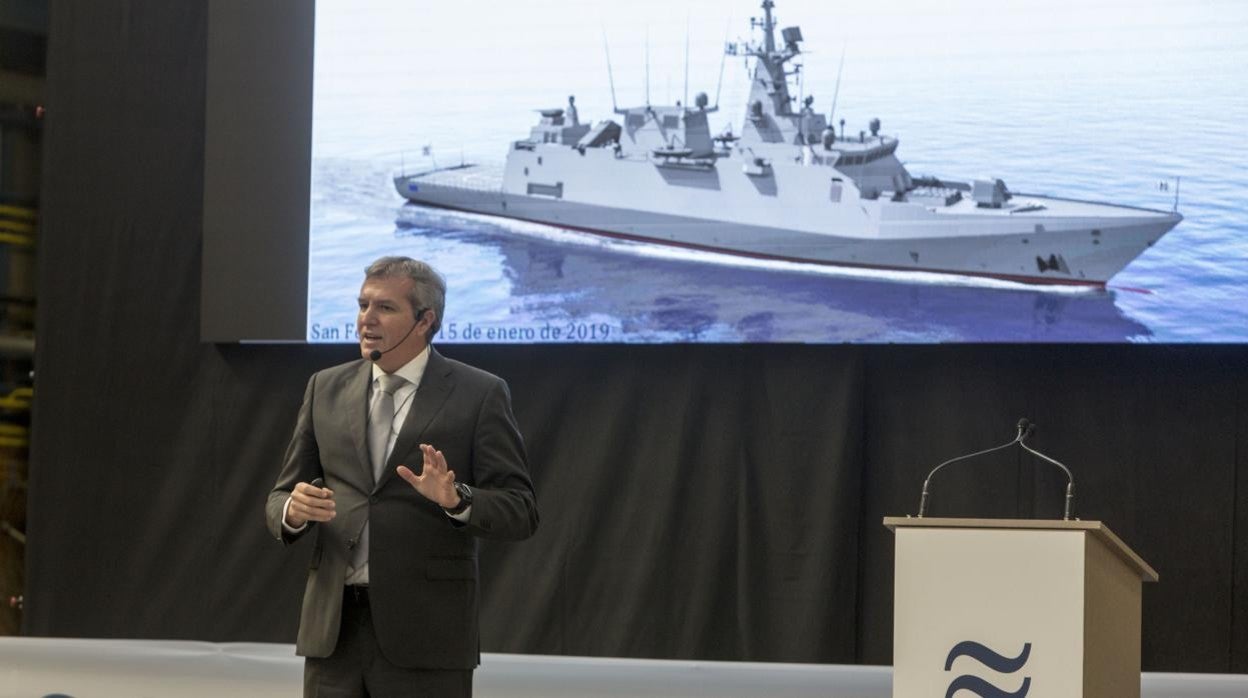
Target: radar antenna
[(685, 99), (610, 77), (724, 57), (837, 92), (647, 66)]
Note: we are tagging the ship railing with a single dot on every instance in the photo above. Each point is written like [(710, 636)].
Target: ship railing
[(477, 179), (471, 185)]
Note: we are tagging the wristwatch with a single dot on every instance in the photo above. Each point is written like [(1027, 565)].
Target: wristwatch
[(465, 499)]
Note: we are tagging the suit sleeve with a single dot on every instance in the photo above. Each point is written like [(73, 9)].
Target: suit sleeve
[(302, 463), (504, 505)]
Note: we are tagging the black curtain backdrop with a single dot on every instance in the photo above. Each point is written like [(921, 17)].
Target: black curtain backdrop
[(705, 502)]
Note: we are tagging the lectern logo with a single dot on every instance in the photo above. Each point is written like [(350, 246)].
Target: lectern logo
[(989, 658)]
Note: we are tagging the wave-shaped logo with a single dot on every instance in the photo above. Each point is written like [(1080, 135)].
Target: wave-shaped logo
[(991, 659)]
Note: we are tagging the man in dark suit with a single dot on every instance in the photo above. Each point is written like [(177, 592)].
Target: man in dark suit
[(399, 462)]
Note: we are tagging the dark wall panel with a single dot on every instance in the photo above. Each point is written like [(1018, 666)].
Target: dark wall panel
[(1237, 371), (118, 270), (258, 153), (695, 504)]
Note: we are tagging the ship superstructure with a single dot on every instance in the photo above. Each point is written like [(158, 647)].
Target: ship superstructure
[(790, 186)]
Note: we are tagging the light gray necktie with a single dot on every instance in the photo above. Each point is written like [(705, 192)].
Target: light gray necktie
[(380, 423)]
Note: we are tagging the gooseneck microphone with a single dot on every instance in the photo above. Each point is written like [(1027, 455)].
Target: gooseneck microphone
[(1023, 428), (1068, 511), (376, 354)]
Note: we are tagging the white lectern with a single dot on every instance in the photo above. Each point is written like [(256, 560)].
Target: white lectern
[(1024, 608)]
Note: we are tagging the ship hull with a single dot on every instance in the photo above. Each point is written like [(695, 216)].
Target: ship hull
[(1050, 250)]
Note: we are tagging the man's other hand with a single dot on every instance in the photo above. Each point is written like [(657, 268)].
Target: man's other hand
[(436, 482), (309, 503)]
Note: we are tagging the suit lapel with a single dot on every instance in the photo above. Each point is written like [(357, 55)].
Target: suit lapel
[(357, 416), (435, 387)]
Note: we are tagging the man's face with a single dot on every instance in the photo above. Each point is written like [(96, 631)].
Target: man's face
[(386, 317)]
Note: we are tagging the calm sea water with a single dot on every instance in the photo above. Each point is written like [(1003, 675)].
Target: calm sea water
[(1099, 101)]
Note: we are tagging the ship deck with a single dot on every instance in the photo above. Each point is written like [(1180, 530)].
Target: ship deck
[(488, 177), (471, 176), (1049, 206)]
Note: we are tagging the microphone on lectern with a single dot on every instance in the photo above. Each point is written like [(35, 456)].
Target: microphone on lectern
[(1068, 510), (1025, 429), (1023, 425)]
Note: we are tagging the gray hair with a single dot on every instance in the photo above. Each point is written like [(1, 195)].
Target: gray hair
[(428, 290)]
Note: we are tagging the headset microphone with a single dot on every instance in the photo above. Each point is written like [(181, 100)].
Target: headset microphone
[(376, 354)]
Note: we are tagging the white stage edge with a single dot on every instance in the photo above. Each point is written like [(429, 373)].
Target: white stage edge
[(80, 668)]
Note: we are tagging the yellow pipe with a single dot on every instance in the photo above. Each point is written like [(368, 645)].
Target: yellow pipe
[(18, 212), (17, 226), (22, 240), (19, 399)]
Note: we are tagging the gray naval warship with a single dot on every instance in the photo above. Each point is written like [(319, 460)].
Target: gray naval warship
[(788, 187)]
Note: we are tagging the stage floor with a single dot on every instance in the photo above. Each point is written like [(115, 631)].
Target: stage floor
[(80, 668)]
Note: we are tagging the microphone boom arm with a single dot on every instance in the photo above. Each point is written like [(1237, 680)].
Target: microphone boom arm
[(1025, 428), (1070, 480), (923, 499)]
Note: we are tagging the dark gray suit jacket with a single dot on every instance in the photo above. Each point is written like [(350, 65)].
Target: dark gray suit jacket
[(422, 564)]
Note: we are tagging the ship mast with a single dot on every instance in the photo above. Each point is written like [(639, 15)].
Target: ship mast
[(770, 86), (769, 26)]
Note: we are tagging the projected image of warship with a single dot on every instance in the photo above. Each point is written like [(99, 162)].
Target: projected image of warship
[(789, 186)]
